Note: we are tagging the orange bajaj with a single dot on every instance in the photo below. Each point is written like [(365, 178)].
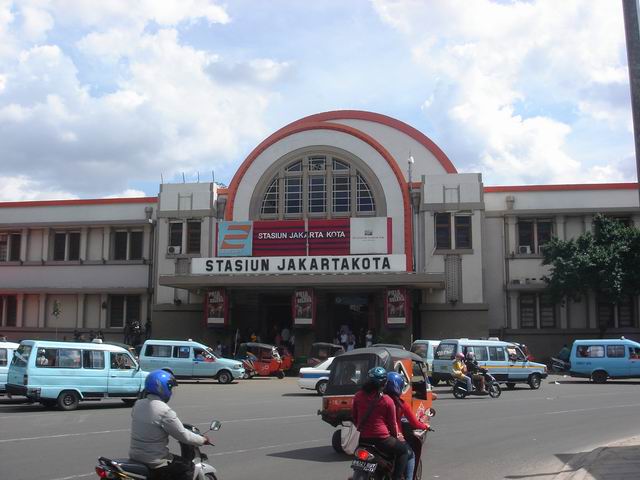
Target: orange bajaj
[(265, 358), (349, 373)]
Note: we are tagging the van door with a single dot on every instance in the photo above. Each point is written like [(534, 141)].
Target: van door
[(124, 380), (94, 373), (182, 364), (617, 364), (497, 363), (517, 364), (204, 364)]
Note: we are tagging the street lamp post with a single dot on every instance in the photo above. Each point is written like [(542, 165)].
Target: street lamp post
[(410, 163)]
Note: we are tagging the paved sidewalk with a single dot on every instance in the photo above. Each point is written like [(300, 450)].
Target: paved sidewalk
[(616, 461)]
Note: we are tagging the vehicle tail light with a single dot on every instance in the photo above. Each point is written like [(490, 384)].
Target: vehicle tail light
[(25, 380), (362, 454), (325, 404), (102, 472)]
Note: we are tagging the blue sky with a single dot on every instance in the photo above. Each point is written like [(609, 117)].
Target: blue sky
[(101, 98)]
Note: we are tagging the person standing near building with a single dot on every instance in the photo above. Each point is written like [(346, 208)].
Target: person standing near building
[(369, 338), (285, 335), (344, 339)]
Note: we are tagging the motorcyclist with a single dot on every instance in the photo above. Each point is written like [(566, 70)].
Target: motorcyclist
[(404, 416), (153, 421), (475, 371), (374, 415), (459, 371)]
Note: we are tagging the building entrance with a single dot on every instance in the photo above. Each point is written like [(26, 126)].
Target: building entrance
[(351, 315), (276, 317)]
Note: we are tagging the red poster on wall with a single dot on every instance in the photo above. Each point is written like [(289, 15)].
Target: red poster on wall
[(397, 307), (329, 237), (303, 307), (217, 308), (279, 238)]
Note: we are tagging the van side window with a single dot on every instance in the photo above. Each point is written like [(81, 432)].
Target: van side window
[(480, 353), (420, 349), (515, 354), (158, 351), (181, 352), (93, 359), (59, 358), (634, 353), (496, 354), (590, 351), (3, 357), (615, 351), (121, 361), (445, 351)]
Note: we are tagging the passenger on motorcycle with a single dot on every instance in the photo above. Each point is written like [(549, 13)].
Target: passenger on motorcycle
[(459, 370), (404, 415), (475, 371), (374, 415), (153, 421)]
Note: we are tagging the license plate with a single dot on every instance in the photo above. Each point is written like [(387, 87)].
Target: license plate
[(364, 466)]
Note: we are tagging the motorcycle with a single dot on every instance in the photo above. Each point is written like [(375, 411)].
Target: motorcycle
[(492, 386), (559, 366), (124, 468)]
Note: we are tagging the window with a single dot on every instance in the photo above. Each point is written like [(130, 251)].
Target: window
[(11, 318), (132, 308), (419, 380), (533, 234), (3, 357), (135, 245), (350, 373), (181, 352), (445, 351), (120, 245), (515, 354), (463, 231), (458, 229), (10, 247), (480, 353), (443, 231), (122, 361), (615, 351), (496, 354), (123, 309), (175, 234), (58, 358), (634, 353), (66, 246), (4, 247), (626, 312), (619, 315), (158, 351), (590, 351), (547, 311), (318, 185), (21, 356), (193, 236), (528, 311), (93, 359)]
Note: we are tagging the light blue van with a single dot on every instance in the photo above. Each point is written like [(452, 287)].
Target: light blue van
[(64, 373), (605, 358), (6, 354), (188, 359), (504, 360), (426, 349)]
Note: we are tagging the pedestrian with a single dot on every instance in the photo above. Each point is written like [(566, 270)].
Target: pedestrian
[(285, 335), (344, 339), (352, 343), (292, 344), (369, 338), (3, 337)]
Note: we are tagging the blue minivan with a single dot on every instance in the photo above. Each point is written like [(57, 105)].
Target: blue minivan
[(602, 359), (64, 373), (6, 354)]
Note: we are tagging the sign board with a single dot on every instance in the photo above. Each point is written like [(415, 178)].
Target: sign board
[(397, 306), (235, 239), (299, 265), (279, 237), (329, 237), (303, 307), (217, 307), (370, 235)]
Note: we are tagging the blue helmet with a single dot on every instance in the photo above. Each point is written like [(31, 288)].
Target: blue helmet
[(395, 384), (160, 383), (378, 376)]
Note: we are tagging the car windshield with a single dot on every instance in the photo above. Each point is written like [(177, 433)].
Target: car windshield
[(445, 351), (324, 365), (21, 356)]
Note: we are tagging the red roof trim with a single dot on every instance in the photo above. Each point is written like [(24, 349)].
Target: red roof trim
[(565, 187), (82, 201), (408, 130)]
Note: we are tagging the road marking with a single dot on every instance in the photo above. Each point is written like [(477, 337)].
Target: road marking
[(593, 408), (63, 435), (266, 447), (75, 476)]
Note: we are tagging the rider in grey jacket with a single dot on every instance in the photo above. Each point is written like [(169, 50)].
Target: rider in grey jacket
[(153, 421)]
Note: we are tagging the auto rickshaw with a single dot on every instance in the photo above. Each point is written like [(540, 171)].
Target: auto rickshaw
[(320, 351), (349, 373), (267, 360), (287, 358)]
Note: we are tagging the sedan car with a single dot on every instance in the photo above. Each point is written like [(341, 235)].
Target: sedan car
[(315, 378)]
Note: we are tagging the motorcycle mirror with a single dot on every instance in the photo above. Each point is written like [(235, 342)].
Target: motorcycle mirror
[(215, 425), (431, 412)]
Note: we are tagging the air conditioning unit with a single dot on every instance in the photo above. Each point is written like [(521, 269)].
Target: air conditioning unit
[(524, 249), (174, 250)]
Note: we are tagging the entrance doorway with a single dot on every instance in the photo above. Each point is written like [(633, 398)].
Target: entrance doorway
[(351, 315), (276, 316)]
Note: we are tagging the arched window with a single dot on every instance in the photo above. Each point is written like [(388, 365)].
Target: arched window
[(318, 186)]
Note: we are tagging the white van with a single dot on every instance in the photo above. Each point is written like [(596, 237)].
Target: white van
[(6, 354), (504, 360)]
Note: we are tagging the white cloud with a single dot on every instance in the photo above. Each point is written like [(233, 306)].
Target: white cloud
[(20, 188), (511, 82), (128, 193)]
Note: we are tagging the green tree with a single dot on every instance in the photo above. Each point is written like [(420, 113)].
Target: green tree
[(606, 261)]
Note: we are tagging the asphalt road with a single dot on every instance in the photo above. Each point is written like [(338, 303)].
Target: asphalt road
[(271, 430)]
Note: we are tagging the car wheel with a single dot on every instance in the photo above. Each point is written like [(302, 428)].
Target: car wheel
[(321, 387), (68, 400), (534, 381), (511, 385), (599, 376), (336, 441), (225, 377), (129, 402)]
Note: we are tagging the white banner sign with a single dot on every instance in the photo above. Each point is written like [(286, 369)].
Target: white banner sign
[(370, 235), (284, 265)]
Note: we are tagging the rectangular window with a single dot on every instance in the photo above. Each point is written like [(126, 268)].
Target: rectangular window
[(12, 311), (175, 234), (59, 246), (116, 311), (547, 312), (496, 354), (14, 247), (21, 356), (341, 194), (93, 359), (293, 195), (122, 361), (120, 245), (163, 351), (480, 353), (525, 236), (463, 231), (3, 357), (193, 236), (135, 245), (544, 232), (443, 231), (4, 247), (59, 358), (528, 311), (615, 351), (181, 352), (445, 351), (317, 194), (590, 351)]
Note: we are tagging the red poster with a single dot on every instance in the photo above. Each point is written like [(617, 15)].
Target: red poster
[(397, 307), (329, 237), (303, 307), (279, 238), (216, 309)]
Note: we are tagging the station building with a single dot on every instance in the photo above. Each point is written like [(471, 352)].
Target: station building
[(344, 218)]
